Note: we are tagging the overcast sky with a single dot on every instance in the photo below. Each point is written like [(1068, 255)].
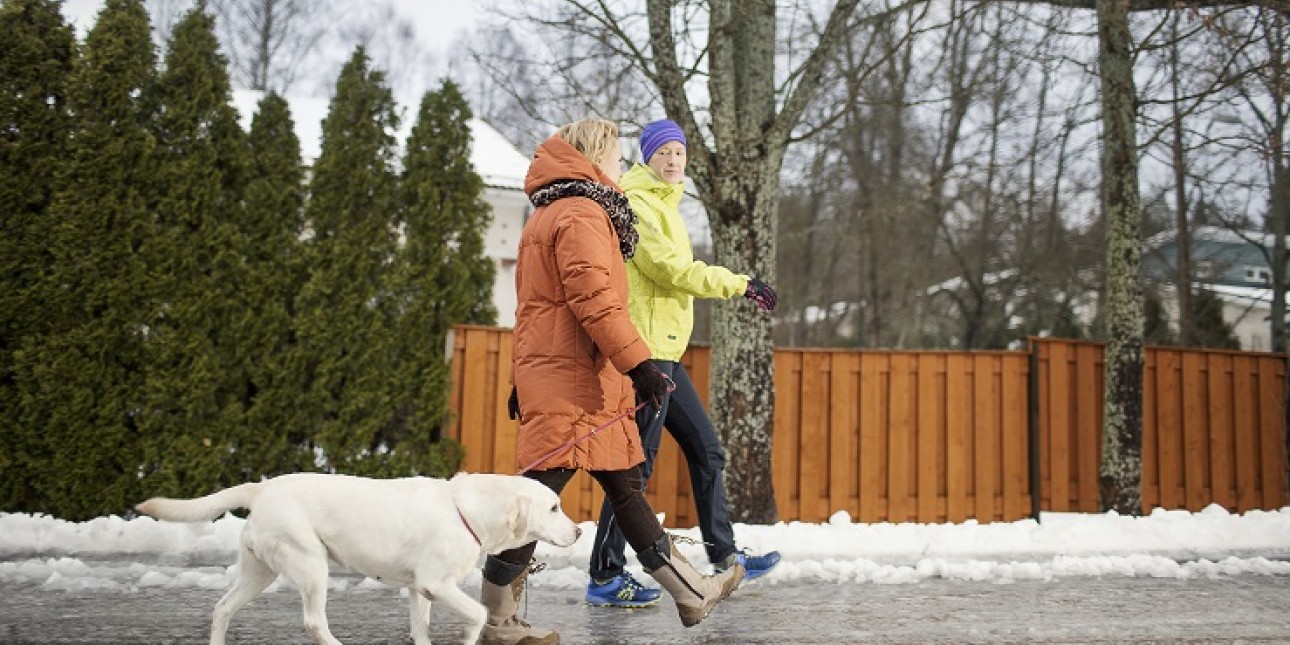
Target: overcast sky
[(438, 24)]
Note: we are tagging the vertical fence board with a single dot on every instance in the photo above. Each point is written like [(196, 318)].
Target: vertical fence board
[(842, 458), (1168, 429), (1150, 442), (930, 437), (814, 440), (1088, 436), (900, 449), (958, 426), (1015, 439), (1058, 460), (1195, 430), (1219, 415), (473, 393), (785, 459), (1273, 438), (1051, 396), (1246, 432), (504, 429), (873, 432), (985, 427)]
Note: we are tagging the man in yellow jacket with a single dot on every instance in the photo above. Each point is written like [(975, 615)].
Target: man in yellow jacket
[(664, 280)]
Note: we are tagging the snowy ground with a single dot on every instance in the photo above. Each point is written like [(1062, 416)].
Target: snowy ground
[(114, 554), (1070, 578)]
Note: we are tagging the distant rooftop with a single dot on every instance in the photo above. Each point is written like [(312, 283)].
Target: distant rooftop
[(498, 163)]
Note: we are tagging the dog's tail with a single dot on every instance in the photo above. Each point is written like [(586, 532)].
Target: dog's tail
[(201, 509)]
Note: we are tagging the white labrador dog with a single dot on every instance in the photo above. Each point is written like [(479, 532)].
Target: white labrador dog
[(420, 533)]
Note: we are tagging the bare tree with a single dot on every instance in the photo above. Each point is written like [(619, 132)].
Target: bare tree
[(269, 40), (718, 71)]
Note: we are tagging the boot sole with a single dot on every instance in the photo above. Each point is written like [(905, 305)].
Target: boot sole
[(624, 605)]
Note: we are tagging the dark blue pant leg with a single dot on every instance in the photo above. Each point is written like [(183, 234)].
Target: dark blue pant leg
[(689, 424), (608, 555)]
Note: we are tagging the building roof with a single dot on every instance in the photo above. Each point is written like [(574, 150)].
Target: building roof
[(496, 160)]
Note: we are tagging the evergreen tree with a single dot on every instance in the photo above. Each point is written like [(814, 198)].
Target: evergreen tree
[(443, 276), (34, 125), (345, 314), (279, 423), (197, 389), (82, 377), (1209, 329), (36, 59)]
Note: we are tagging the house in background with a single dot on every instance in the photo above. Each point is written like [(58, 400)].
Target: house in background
[(1233, 265), (502, 168), (497, 162)]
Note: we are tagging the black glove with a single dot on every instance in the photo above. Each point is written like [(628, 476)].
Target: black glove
[(513, 405), (651, 384), (761, 293)]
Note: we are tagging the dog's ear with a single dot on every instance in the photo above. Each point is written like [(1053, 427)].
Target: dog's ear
[(517, 515)]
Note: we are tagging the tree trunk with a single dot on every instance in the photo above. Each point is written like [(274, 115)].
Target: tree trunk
[(1186, 336), (1121, 467), (736, 170)]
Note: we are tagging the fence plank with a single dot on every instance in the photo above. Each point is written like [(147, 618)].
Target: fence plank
[(986, 419), (930, 437), (959, 445), (1168, 429), (1015, 439), (1219, 415), (502, 446), (900, 449), (1246, 433), (1150, 440), (1058, 461), (785, 457), (873, 426), (842, 454), (1049, 397), (1273, 438), (474, 392), (814, 437), (1196, 480), (1088, 421)]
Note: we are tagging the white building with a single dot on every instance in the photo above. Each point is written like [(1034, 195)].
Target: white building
[(498, 163)]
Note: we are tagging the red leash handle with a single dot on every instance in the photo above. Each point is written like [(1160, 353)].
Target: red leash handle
[(671, 386)]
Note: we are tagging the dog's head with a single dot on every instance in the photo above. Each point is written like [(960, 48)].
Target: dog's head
[(535, 514)]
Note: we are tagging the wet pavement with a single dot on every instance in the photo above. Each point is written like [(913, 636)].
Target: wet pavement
[(1245, 608)]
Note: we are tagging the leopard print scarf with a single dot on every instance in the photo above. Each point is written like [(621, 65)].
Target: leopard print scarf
[(615, 205)]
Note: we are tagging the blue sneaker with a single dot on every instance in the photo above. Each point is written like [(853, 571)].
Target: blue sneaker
[(755, 566), (621, 591)]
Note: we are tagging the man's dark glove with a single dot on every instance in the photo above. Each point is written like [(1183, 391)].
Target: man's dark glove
[(651, 384), (761, 293), (513, 405)]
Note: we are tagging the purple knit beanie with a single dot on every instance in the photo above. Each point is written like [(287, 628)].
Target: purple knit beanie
[(654, 135)]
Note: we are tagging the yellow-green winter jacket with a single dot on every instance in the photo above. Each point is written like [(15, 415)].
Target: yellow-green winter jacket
[(663, 276)]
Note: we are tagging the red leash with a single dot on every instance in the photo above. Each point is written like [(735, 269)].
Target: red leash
[(570, 443)]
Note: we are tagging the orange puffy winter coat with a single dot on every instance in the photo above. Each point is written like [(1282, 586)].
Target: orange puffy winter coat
[(574, 340)]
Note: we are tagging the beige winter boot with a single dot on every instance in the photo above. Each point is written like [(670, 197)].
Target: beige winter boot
[(695, 594), (504, 626)]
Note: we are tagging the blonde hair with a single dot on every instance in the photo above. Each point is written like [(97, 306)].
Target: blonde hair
[(592, 137)]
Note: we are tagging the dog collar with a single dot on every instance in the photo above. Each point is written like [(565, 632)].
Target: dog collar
[(467, 525)]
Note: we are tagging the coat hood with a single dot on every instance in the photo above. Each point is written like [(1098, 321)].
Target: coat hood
[(642, 179), (555, 160)]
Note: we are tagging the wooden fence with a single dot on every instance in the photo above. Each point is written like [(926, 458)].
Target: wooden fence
[(1213, 427), (938, 436)]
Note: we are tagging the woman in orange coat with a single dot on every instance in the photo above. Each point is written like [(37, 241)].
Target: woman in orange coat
[(577, 358)]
